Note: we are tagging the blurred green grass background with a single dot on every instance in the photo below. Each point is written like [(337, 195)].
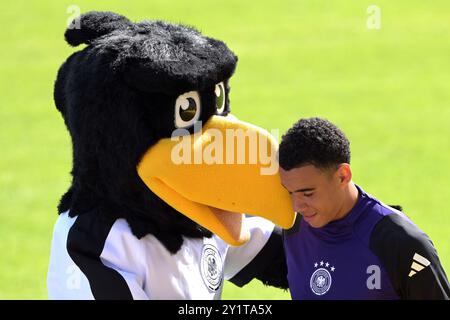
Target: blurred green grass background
[(388, 89)]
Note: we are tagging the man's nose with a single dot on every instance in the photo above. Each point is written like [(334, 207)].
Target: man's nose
[(299, 205)]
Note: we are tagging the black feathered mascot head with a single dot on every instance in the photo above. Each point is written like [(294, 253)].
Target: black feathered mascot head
[(129, 99)]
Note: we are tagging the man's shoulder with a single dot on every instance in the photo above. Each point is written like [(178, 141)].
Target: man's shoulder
[(395, 228), (401, 246), (410, 258), (394, 237)]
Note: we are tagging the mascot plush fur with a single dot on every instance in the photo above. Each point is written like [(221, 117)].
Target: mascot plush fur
[(135, 224)]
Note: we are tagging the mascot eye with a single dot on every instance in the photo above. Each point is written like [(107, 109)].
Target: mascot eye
[(220, 97), (187, 109)]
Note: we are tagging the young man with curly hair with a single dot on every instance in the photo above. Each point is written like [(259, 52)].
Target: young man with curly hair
[(346, 244)]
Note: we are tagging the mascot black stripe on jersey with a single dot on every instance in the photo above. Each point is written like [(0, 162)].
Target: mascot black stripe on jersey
[(137, 222)]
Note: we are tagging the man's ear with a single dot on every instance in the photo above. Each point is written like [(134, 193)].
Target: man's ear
[(344, 173), (94, 24)]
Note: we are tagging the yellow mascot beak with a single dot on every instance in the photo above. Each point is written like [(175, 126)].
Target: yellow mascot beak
[(217, 174)]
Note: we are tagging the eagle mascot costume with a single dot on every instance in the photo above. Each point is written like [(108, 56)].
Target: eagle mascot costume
[(145, 216)]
